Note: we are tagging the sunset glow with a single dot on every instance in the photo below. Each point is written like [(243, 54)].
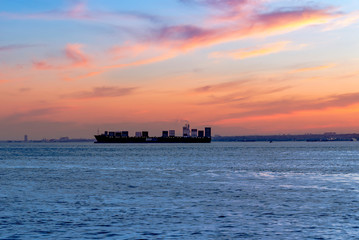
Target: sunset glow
[(72, 67)]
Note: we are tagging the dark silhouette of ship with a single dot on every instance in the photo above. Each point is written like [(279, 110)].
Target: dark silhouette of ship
[(189, 136)]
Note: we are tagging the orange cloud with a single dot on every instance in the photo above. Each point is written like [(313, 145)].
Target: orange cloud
[(315, 68), (158, 58), (253, 52), (87, 75), (127, 50)]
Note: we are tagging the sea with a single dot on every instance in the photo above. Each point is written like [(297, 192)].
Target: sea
[(221, 190)]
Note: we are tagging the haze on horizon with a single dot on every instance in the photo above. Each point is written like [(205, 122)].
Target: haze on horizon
[(68, 68)]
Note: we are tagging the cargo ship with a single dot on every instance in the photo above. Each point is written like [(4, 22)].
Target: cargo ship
[(188, 136)]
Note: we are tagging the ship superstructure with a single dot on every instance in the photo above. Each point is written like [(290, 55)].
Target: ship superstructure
[(168, 136)]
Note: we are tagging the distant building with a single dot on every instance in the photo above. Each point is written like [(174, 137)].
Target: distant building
[(145, 134), (138, 134), (25, 138), (194, 133), (172, 133)]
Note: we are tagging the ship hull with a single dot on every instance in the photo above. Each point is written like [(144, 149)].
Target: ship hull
[(112, 139)]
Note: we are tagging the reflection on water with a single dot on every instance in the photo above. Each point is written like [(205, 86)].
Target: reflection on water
[(179, 191)]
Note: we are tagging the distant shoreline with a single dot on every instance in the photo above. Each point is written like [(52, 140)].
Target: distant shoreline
[(326, 137)]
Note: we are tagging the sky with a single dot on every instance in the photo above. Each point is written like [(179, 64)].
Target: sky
[(243, 67)]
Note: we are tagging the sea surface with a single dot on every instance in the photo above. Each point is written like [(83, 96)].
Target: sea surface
[(222, 190)]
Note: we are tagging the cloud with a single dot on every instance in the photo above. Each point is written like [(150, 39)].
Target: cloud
[(74, 57), (79, 77), (128, 50), (230, 10), (162, 41), (178, 39), (238, 95), (34, 113), (42, 65), (74, 53), (79, 11), (160, 56), (221, 4), (17, 47), (24, 89), (315, 68), (103, 92), (218, 87), (253, 52), (291, 105), (343, 21), (188, 37)]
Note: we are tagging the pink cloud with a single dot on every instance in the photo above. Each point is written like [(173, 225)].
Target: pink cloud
[(187, 37), (244, 19), (161, 55), (128, 50), (42, 65), (231, 11), (74, 57), (254, 52), (74, 53), (219, 4), (79, 77), (211, 88), (175, 40), (103, 92), (78, 10), (294, 18), (36, 113)]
